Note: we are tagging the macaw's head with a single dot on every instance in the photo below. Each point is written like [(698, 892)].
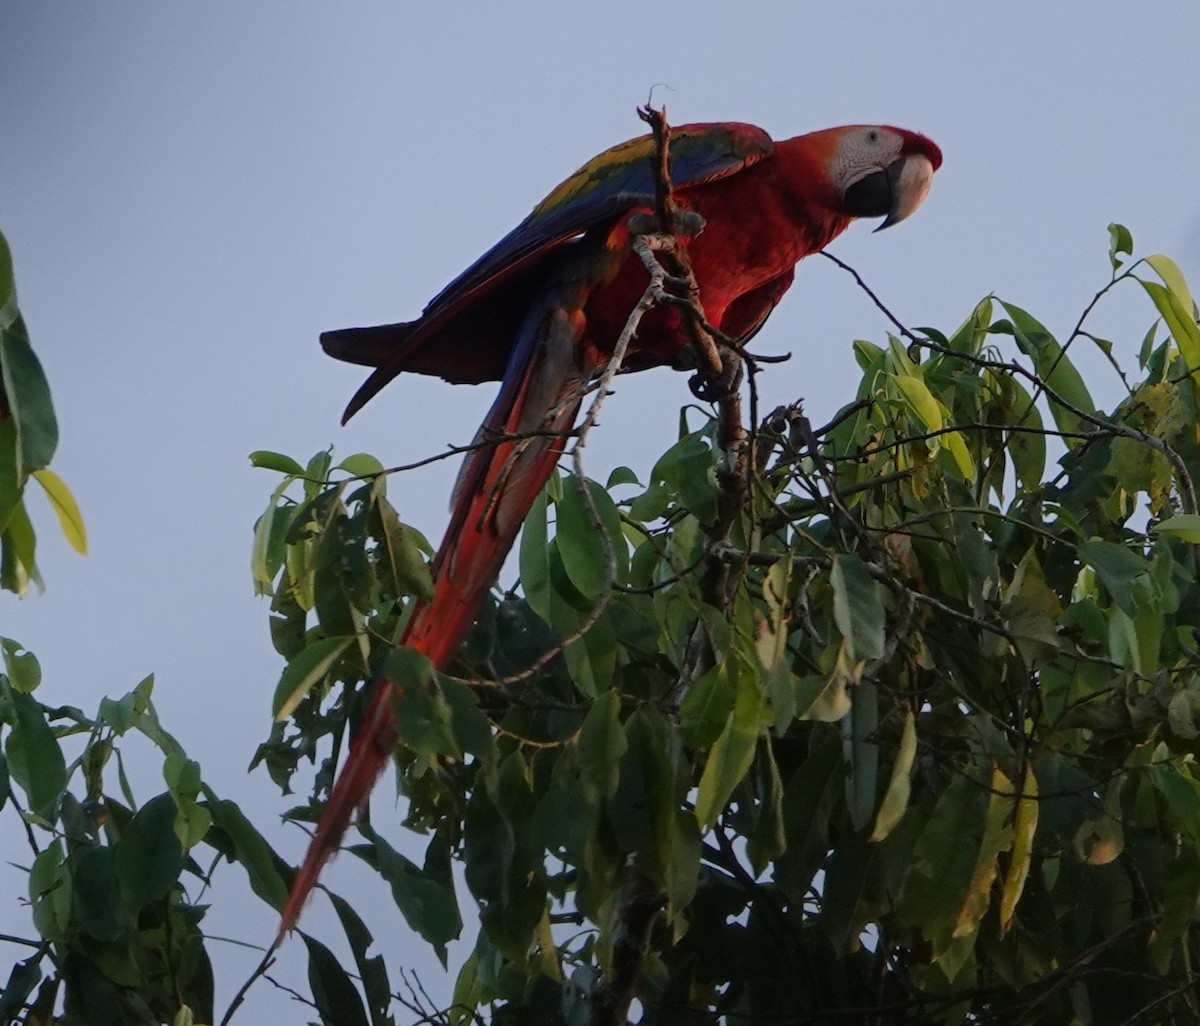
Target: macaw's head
[(875, 170)]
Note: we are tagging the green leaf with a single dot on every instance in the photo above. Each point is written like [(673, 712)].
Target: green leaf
[(730, 757), (809, 799), (270, 547), (427, 906), (50, 893), (361, 464), (6, 280), (28, 395), (601, 744), (534, 560), (371, 971), (17, 564), (1185, 526), (1117, 567), (861, 749), (304, 672), (268, 460), (687, 468), (337, 1000), (857, 608), (588, 539), (341, 572), (149, 856), (1181, 792), (424, 721), (704, 711), (621, 476), (121, 713), (1181, 891), (401, 553), (24, 671), (898, 361), (63, 502), (264, 868), (1054, 367), (22, 978), (34, 756), (12, 481), (943, 863), (97, 904), (767, 837), (471, 728), (1120, 243), (1028, 448), (317, 473), (970, 335), (468, 988), (183, 781), (867, 354), (645, 812)]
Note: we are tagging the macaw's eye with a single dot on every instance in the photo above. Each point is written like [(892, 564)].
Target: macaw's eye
[(872, 136)]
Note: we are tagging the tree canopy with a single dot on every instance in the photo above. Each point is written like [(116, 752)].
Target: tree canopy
[(896, 725)]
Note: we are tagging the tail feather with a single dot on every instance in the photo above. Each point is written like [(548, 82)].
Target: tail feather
[(368, 347), (498, 484), (369, 755)]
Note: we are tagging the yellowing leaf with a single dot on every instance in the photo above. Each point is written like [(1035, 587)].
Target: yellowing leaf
[(899, 789), (997, 837), (1024, 827), (1185, 526), (1172, 277), (69, 517), (546, 952), (921, 400), (832, 702), (1175, 304), (1099, 841), (957, 446)]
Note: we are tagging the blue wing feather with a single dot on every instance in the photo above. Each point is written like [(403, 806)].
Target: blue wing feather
[(617, 180)]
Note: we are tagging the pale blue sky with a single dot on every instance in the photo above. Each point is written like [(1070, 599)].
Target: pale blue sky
[(193, 192)]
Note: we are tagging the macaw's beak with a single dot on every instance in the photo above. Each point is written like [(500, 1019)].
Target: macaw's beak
[(893, 192)]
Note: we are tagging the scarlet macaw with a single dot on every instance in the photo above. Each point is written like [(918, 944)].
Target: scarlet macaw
[(541, 311)]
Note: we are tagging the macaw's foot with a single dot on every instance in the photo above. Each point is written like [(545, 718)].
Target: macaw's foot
[(712, 388), (687, 223)]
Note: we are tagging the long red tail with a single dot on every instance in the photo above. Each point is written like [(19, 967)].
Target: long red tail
[(496, 487)]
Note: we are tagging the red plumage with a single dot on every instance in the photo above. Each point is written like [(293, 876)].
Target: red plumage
[(542, 310)]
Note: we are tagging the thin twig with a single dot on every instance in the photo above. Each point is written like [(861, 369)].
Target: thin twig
[(260, 970), (294, 994)]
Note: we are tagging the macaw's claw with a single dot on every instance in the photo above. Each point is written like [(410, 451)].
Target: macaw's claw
[(710, 388)]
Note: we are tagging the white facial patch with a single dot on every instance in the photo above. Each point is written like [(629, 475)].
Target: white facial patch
[(867, 149)]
